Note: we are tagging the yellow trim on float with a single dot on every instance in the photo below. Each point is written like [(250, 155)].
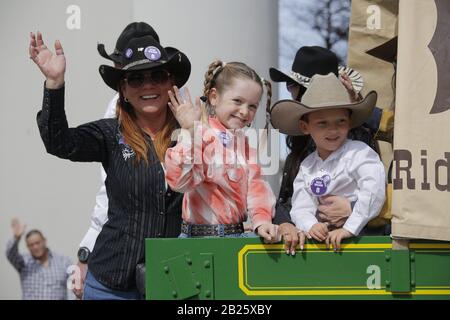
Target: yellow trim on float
[(328, 291)]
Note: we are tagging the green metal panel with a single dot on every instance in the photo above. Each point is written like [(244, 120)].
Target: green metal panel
[(178, 274), (246, 268), (400, 271), (431, 267)]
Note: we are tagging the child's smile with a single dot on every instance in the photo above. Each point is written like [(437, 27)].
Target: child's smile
[(236, 106), (328, 128)]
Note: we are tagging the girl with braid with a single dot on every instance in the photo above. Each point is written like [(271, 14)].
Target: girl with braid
[(212, 162)]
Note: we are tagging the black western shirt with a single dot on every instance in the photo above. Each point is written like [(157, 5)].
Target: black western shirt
[(140, 206)]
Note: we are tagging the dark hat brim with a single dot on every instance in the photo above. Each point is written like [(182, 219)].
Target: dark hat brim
[(286, 114), (279, 76), (116, 58), (355, 77), (177, 64)]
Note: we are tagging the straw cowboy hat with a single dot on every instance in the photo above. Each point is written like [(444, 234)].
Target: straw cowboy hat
[(146, 53), (324, 92), (315, 60)]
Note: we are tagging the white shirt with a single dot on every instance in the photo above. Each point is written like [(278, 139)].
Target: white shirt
[(100, 214), (354, 171)]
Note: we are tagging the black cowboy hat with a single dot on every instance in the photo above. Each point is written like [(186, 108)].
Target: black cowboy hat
[(133, 30), (145, 53), (312, 60)]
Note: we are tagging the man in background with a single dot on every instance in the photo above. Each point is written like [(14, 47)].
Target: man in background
[(43, 273)]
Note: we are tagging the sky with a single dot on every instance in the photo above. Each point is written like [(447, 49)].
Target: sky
[(294, 33)]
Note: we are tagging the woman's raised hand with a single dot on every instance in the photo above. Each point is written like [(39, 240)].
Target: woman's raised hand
[(184, 111), (52, 65)]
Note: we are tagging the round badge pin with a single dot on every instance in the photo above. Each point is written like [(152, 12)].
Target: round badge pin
[(319, 185), (128, 53), (224, 138), (152, 53)]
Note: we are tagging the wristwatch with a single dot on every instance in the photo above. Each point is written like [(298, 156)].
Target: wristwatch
[(83, 254)]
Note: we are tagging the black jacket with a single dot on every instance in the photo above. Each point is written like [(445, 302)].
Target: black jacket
[(139, 205)]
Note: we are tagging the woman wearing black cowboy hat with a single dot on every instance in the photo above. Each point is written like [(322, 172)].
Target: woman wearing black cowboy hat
[(99, 214), (131, 149), (311, 60)]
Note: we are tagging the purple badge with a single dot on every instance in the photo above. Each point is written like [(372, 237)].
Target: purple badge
[(224, 138), (152, 53), (319, 185), (128, 53)]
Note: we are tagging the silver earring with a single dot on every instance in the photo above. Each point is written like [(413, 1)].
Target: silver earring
[(126, 99)]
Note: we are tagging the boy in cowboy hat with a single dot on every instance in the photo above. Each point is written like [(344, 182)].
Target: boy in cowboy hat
[(339, 166), (311, 60)]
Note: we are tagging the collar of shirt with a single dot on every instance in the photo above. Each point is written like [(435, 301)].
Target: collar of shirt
[(49, 257), (225, 135), (234, 142), (315, 159)]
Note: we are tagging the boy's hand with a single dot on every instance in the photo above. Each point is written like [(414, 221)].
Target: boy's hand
[(335, 237), (319, 231), (268, 231)]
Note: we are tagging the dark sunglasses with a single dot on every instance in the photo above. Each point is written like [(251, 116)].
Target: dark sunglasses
[(137, 79)]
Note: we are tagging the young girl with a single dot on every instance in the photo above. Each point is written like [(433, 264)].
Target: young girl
[(215, 167)]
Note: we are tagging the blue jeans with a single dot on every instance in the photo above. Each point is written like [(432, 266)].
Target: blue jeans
[(94, 290)]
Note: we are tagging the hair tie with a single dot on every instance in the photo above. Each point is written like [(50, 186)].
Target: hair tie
[(216, 70)]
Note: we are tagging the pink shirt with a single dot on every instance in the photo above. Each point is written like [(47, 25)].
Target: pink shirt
[(220, 178)]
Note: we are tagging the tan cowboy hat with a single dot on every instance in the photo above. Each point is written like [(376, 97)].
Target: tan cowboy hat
[(324, 92)]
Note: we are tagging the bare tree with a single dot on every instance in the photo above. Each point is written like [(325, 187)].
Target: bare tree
[(328, 19), (331, 20)]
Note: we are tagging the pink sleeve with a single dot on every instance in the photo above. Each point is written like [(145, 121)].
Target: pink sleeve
[(260, 198), (184, 163)]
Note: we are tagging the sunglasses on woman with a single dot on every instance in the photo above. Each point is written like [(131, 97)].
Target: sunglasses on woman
[(156, 77)]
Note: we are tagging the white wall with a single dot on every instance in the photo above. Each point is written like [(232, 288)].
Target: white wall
[(57, 196)]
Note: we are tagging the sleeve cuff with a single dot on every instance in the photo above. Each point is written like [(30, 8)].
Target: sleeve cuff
[(355, 224), (89, 239), (259, 219)]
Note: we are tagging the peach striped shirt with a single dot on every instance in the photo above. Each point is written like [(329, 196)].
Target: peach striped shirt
[(220, 178)]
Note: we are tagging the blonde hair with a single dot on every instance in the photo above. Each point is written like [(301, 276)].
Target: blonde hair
[(134, 136), (220, 75)]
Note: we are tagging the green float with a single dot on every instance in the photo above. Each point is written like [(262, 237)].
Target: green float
[(246, 268)]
